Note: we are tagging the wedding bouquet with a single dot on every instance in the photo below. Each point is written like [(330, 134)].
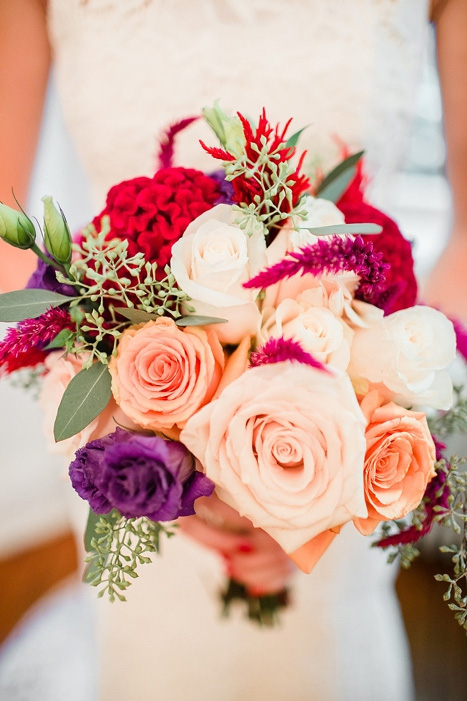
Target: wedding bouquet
[(252, 332)]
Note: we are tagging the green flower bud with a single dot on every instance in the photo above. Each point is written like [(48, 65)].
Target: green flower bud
[(16, 228), (57, 237), (229, 130)]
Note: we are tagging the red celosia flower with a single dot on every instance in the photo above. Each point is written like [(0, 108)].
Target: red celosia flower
[(23, 346), (401, 284), (153, 213), (397, 251), (246, 189)]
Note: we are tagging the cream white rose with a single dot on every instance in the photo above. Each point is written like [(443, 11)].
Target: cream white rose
[(408, 352), (211, 262)]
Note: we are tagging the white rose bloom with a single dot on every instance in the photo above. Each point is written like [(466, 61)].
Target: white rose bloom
[(316, 328), (408, 352), (211, 261)]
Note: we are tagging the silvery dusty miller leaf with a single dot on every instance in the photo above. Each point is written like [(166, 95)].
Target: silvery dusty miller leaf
[(86, 397)]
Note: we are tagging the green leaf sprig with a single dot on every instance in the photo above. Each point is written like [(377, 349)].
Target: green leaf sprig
[(116, 547)]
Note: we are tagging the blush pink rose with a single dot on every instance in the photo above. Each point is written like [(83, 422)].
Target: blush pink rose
[(399, 461), (162, 374), (61, 368), (285, 444)]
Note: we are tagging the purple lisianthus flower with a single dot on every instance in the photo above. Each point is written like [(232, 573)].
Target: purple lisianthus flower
[(138, 475), (226, 188), (44, 278), (84, 473)]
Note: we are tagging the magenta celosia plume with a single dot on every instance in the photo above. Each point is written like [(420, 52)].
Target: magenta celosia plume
[(333, 255), (24, 344), (278, 350)]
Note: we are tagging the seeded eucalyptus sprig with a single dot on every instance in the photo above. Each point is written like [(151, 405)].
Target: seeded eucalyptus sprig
[(456, 519), (107, 278), (116, 547), (273, 178), (448, 509), (454, 420)]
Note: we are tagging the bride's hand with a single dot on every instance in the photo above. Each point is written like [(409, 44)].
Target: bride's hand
[(251, 556)]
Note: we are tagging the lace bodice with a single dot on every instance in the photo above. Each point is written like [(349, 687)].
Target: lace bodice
[(127, 69)]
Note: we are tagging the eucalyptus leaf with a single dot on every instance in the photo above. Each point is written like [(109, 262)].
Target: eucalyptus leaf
[(136, 316), (334, 191), (348, 163), (28, 304), (195, 320), (86, 397), (292, 141), (60, 339), (340, 229), (90, 532)]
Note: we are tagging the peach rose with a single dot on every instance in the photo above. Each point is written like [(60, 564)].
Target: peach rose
[(162, 374), (285, 444), (61, 368), (399, 461)]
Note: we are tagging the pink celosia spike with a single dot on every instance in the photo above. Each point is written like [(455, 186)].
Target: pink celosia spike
[(167, 141), (23, 345), (279, 350), (332, 255)]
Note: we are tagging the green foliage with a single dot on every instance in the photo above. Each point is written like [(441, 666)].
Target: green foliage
[(341, 229), (197, 320), (274, 180), (85, 397), (336, 182), (455, 518), (64, 339), (452, 421), (29, 379), (117, 546), (111, 285), (263, 610), (28, 304), (293, 140)]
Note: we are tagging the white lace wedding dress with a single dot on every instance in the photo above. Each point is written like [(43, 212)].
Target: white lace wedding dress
[(125, 69)]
